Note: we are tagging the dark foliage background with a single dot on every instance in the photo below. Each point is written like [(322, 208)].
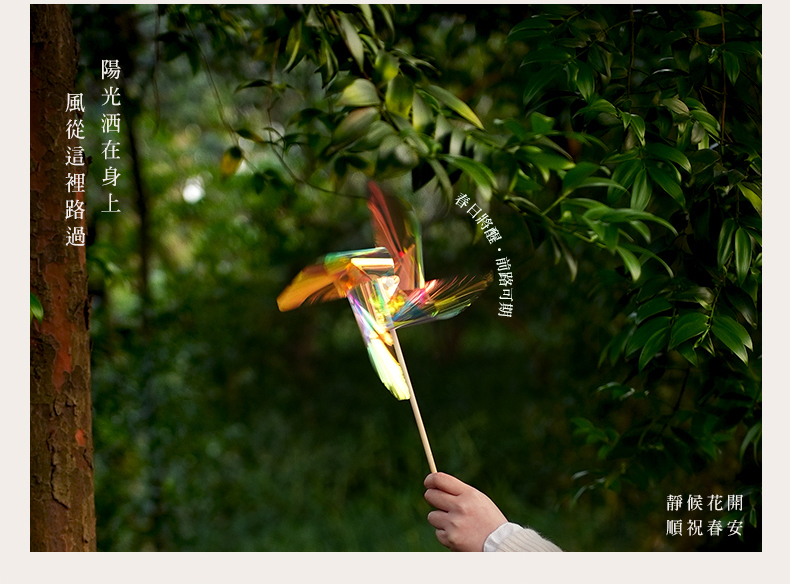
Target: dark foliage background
[(617, 150)]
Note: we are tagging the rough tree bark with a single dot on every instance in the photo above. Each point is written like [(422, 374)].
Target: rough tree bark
[(62, 514)]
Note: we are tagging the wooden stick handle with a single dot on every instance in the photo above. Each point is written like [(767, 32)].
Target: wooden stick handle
[(413, 401)]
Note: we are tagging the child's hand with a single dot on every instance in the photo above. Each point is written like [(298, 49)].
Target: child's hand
[(465, 517)]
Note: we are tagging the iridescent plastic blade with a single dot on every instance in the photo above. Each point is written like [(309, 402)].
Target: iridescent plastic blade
[(438, 300), (396, 228), (334, 275), (375, 323)]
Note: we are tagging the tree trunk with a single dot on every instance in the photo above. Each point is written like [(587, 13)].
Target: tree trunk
[(62, 515)]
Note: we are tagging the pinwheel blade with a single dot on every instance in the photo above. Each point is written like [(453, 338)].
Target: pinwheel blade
[(438, 300), (334, 275), (396, 228), (375, 323)]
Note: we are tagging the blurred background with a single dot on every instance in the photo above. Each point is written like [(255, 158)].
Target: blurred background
[(221, 423)]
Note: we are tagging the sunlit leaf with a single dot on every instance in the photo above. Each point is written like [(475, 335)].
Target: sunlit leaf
[(455, 104), (386, 67), (422, 117), (631, 263), (480, 173), (355, 124), (675, 105), (399, 96), (752, 197), (231, 160), (353, 42), (360, 93)]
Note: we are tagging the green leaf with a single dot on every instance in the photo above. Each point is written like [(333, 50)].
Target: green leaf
[(400, 93), (732, 66), (293, 44), (600, 106), (668, 183), (641, 191), (585, 82), (455, 104), (741, 47), (355, 125), (421, 114), (36, 310), (231, 160), (733, 335), (638, 124), (529, 28), (575, 176), (651, 308), (664, 152), (537, 82), (545, 161), (743, 253), (650, 254), (724, 247), (546, 54), (688, 353), (352, 40), (540, 123), (360, 93), (255, 83), (604, 213), (752, 197), (642, 229), (708, 122), (687, 327), (631, 263), (480, 173), (573, 265), (653, 345), (645, 331), (248, 135), (674, 104), (700, 19), (753, 435), (386, 67), (441, 176), (743, 303)]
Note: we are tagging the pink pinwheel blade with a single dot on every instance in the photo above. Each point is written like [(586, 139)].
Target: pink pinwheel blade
[(396, 228)]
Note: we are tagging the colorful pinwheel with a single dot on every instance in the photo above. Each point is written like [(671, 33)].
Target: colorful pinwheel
[(386, 289)]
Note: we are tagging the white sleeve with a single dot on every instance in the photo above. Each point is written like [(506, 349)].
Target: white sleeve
[(510, 537)]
